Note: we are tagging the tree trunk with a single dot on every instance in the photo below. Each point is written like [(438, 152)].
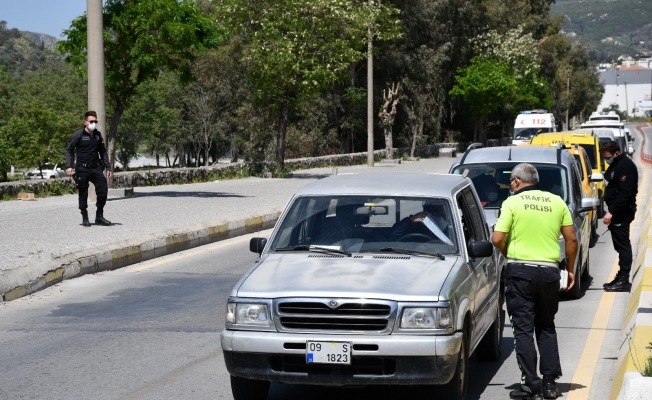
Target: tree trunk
[(112, 134), (389, 150), (158, 164), (206, 156), (415, 129), (280, 138), (475, 131)]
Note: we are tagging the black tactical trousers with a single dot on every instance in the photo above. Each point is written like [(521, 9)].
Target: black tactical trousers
[(95, 175), (622, 245), (532, 297)]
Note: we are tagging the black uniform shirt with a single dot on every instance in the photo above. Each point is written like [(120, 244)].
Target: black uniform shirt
[(89, 149), (620, 193)]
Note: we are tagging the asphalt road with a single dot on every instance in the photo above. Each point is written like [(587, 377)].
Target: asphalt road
[(151, 331)]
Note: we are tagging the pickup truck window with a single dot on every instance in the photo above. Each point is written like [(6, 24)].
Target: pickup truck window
[(357, 223)]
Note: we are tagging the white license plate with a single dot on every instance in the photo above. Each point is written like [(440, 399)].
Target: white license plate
[(328, 352)]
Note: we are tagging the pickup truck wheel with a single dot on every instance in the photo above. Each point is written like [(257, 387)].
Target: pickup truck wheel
[(249, 389), (586, 271), (490, 347), (457, 387), (576, 290)]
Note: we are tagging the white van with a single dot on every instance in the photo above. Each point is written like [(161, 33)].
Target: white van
[(623, 139), (610, 116), (529, 123)]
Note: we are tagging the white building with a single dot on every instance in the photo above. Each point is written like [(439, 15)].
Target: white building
[(627, 86)]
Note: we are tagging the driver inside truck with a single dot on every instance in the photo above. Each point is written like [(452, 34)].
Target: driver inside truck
[(417, 223)]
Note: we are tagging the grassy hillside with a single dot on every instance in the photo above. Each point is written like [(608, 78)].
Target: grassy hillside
[(609, 28)]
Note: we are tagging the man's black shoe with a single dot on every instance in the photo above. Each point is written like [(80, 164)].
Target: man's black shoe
[(621, 285), (100, 220), (519, 394), (613, 282), (550, 390), (86, 222)]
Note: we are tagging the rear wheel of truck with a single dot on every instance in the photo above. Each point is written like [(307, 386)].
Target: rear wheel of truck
[(249, 389)]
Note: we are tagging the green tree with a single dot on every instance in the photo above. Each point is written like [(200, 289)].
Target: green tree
[(142, 38), (484, 85), (299, 48)]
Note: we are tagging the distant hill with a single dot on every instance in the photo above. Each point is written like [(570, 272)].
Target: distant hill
[(609, 28), (25, 51), (43, 39)]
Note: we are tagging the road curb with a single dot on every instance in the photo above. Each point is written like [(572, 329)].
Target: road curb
[(629, 383), (22, 281)]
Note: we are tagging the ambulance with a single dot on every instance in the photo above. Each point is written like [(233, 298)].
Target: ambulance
[(530, 123)]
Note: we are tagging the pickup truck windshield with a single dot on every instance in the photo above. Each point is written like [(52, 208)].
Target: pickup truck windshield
[(491, 180), (358, 223)]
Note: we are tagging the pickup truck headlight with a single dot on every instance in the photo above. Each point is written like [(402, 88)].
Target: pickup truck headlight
[(247, 314), (426, 318)]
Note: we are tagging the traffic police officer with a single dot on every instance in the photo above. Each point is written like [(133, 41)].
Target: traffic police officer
[(92, 159), (620, 196), (527, 233)]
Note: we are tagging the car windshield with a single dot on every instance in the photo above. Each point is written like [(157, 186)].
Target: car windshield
[(528, 133), (493, 178), (359, 223)]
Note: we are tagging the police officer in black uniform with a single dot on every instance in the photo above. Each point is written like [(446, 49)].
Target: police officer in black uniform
[(92, 159), (620, 196)]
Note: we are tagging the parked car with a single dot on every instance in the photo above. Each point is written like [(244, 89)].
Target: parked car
[(347, 292), (48, 171), (558, 174)]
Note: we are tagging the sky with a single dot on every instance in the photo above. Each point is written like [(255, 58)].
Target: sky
[(42, 16)]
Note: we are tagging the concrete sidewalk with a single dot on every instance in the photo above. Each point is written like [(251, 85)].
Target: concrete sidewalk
[(43, 241)]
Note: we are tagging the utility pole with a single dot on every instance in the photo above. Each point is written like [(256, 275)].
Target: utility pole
[(626, 103), (567, 99), (95, 51), (370, 101)]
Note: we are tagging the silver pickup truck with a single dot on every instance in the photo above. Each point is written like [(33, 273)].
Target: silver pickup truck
[(369, 279)]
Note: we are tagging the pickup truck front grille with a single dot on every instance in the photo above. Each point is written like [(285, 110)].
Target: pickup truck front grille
[(328, 315)]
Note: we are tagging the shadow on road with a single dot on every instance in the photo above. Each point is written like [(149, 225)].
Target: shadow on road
[(206, 195)]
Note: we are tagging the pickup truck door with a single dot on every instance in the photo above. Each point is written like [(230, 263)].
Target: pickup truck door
[(483, 269)]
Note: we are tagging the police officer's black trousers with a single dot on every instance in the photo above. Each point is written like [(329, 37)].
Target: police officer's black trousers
[(532, 297), (622, 245), (95, 175)]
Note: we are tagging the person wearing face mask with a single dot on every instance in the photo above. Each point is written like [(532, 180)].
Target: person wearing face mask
[(489, 194), (91, 162), (620, 196), (415, 222), (527, 233)]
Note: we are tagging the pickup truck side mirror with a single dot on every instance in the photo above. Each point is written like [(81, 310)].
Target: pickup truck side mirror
[(480, 249), (596, 177), (588, 204), (256, 245)]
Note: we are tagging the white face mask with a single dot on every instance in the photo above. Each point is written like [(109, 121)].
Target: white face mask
[(493, 196), (91, 127)]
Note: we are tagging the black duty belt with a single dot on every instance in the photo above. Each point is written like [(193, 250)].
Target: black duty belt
[(89, 165)]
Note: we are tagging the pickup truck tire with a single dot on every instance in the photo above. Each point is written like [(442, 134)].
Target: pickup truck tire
[(490, 347), (457, 387), (586, 271), (576, 290), (249, 389)]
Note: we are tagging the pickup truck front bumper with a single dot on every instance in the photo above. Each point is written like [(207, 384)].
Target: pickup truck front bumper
[(376, 360)]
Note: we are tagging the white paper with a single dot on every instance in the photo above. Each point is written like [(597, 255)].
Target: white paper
[(432, 225)]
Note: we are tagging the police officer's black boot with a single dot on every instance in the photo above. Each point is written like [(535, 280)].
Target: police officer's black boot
[(620, 284), (85, 221), (99, 218), (521, 394), (550, 390)]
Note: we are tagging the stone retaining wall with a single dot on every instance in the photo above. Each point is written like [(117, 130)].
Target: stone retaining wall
[(166, 176)]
